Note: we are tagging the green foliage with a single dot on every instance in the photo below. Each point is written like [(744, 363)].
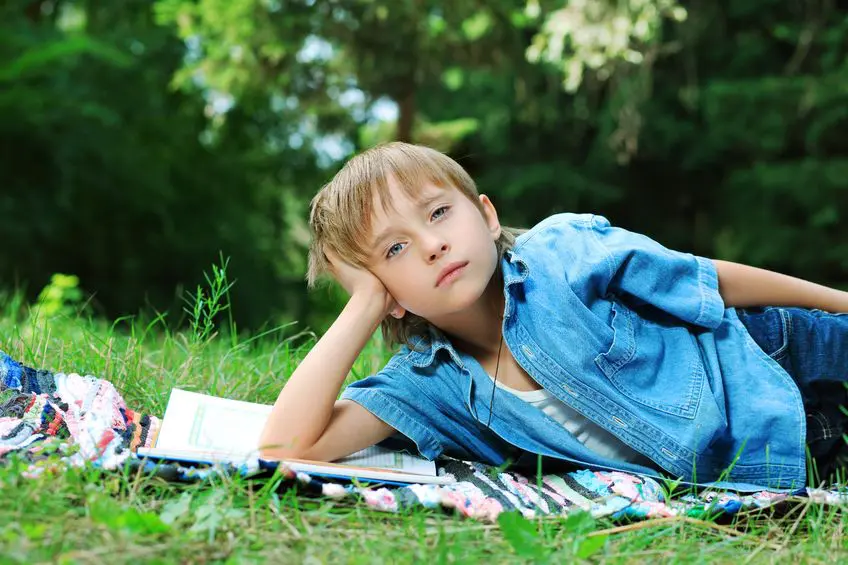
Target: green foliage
[(203, 514), (526, 540), (106, 511), (143, 141), (521, 535), (110, 174), (37, 60), (204, 306), (60, 297), (597, 35)]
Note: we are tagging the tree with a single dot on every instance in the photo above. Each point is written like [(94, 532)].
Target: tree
[(111, 175)]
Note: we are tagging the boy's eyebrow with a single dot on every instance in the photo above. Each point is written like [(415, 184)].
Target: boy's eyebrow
[(423, 203)]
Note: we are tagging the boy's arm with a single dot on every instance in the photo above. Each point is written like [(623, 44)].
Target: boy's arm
[(306, 421), (742, 286), (350, 429)]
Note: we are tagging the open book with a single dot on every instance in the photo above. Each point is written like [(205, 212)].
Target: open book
[(199, 428)]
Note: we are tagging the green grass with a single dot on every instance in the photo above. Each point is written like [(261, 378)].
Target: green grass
[(90, 516)]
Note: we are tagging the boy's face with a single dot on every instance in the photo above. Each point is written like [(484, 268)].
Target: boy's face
[(436, 254)]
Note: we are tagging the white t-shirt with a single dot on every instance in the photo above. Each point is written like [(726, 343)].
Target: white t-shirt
[(587, 432)]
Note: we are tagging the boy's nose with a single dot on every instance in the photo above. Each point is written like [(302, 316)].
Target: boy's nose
[(441, 250)]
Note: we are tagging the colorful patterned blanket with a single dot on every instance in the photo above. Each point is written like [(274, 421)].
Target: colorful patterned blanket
[(62, 419)]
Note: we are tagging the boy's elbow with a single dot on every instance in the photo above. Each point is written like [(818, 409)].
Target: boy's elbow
[(272, 454), (277, 452), (275, 448)]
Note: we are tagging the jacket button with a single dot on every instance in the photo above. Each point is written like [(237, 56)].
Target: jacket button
[(527, 351)]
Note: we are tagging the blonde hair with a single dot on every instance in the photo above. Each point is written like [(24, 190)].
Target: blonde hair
[(341, 212)]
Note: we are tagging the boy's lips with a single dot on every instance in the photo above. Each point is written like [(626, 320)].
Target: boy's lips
[(449, 270)]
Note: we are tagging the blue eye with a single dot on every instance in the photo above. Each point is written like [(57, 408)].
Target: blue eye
[(394, 250), (439, 212)]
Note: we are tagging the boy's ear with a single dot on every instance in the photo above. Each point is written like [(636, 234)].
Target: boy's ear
[(490, 214), (398, 312)]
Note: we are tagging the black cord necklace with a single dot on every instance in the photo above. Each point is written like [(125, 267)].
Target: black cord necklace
[(495, 383)]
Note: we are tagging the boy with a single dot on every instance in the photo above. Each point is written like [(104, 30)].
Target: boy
[(576, 340)]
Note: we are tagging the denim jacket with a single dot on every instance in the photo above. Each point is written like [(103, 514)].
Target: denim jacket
[(628, 333)]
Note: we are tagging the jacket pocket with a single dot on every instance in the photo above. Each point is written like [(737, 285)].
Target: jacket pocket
[(655, 365), (623, 346), (769, 328)]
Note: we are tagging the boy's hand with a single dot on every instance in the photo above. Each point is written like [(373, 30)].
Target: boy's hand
[(362, 282)]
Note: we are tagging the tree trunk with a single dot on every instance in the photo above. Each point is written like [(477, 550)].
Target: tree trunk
[(406, 116), (33, 11)]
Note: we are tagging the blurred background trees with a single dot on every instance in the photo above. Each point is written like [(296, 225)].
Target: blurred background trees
[(141, 141)]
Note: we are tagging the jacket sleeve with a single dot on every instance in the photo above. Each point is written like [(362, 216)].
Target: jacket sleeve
[(396, 402), (680, 284)]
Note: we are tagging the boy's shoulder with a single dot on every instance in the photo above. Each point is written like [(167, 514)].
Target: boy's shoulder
[(414, 369), (561, 237), (559, 224), (421, 354), (417, 353)]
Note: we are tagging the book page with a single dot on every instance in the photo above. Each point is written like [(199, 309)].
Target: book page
[(195, 422), (200, 422), (376, 456)]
